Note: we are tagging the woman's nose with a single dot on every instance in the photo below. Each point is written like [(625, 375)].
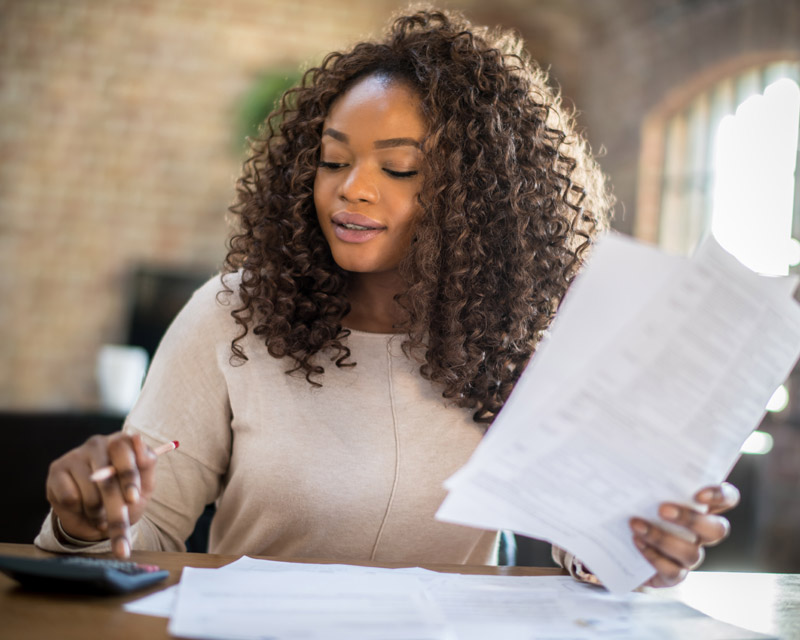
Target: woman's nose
[(359, 185)]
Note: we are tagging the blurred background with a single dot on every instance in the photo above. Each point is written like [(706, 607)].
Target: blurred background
[(122, 126)]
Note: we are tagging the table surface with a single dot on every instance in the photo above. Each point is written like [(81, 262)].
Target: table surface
[(769, 603)]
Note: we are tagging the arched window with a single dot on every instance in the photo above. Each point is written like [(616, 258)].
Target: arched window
[(728, 165)]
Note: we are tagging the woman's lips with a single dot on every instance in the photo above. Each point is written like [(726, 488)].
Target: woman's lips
[(354, 235), (354, 227)]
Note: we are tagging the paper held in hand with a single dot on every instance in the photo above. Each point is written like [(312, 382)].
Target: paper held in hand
[(656, 370)]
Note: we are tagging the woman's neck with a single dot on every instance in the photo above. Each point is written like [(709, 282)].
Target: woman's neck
[(372, 304)]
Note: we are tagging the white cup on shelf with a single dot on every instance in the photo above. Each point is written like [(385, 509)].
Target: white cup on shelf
[(120, 373)]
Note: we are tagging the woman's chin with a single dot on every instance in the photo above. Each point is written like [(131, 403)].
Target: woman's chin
[(364, 265)]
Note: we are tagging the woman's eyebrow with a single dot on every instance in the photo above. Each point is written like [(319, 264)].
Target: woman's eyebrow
[(378, 144), (336, 135), (395, 142)]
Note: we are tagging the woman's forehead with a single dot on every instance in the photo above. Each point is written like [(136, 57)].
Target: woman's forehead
[(378, 103)]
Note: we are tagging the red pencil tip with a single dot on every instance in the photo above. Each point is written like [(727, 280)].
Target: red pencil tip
[(176, 443)]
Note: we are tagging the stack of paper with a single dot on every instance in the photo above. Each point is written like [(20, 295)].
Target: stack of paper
[(656, 371), (260, 599)]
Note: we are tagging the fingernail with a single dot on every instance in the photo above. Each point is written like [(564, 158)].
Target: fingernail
[(133, 494), (640, 527), (706, 495), (123, 548), (670, 513), (102, 527)]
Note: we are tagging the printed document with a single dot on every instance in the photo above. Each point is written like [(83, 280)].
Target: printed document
[(257, 599), (656, 370)]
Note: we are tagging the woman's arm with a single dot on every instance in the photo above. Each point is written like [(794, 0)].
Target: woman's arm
[(185, 398)]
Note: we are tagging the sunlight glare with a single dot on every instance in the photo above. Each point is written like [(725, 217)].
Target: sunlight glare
[(779, 400), (758, 443), (755, 155)]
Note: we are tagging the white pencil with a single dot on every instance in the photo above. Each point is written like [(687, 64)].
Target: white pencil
[(106, 472)]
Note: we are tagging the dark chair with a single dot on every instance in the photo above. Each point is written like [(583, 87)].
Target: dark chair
[(29, 442)]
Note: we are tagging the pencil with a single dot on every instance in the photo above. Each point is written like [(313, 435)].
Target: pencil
[(106, 472)]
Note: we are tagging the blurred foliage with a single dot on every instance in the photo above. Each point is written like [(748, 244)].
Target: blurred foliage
[(263, 98)]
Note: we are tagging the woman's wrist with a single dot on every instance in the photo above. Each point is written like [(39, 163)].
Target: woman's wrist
[(582, 573), (64, 538)]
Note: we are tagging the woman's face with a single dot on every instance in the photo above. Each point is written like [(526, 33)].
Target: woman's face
[(367, 182)]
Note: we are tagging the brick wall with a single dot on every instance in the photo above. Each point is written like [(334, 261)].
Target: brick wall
[(116, 148)]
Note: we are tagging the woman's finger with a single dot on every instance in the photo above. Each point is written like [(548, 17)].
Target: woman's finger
[(62, 490), (117, 517), (687, 554), (90, 496), (91, 500), (64, 494), (122, 457), (719, 498), (709, 529), (668, 572), (146, 462), (118, 490)]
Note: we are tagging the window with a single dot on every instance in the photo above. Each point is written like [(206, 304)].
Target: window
[(754, 166), (729, 166)]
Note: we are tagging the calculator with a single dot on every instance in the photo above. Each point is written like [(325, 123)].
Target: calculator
[(78, 574)]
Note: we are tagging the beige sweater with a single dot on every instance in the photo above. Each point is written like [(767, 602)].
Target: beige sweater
[(349, 471)]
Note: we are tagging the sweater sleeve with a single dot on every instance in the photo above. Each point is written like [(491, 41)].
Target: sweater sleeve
[(568, 561), (184, 398)]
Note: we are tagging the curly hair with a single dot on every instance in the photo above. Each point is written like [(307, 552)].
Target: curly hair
[(510, 201)]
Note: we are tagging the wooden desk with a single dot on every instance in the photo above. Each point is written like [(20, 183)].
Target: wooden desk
[(769, 603)]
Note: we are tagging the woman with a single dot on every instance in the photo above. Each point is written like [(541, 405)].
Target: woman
[(408, 223)]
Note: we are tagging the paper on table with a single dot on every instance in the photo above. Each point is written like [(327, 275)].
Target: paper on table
[(258, 601), (530, 608), (656, 370), (161, 603), (157, 604), (244, 605)]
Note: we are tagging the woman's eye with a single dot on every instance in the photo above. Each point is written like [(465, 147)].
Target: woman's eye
[(401, 174), (330, 165)]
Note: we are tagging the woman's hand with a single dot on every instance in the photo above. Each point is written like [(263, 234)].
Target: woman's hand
[(106, 509), (673, 556)]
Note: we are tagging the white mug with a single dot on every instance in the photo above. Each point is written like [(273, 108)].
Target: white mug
[(120, 372)]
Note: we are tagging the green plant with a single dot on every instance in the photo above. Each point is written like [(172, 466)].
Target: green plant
[(261, 99)]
